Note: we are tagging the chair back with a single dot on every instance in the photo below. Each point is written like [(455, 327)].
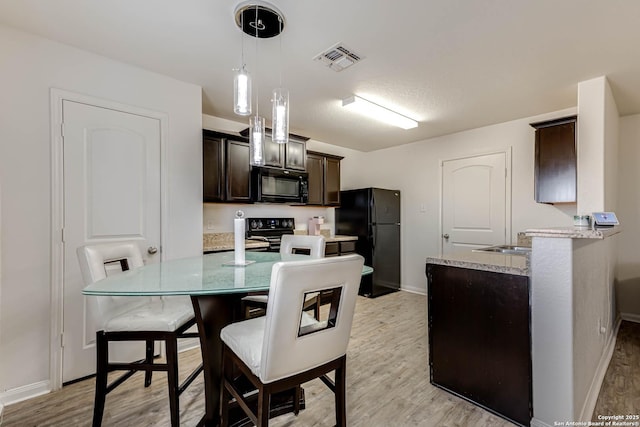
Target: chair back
[(291, 243), (96, 261), (294, 342)]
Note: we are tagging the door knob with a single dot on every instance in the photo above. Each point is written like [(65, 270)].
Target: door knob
[(446, 236), (152, 250)]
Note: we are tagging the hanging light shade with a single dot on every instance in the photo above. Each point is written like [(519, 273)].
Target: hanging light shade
[(280, 116), (256, 141), (242, 92)]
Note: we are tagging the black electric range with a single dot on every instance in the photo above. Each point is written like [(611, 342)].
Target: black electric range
[(269, 230)]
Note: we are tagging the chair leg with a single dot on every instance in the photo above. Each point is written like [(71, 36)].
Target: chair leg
[(264, 401), (172, 379), (341, 395), (102, 358), (296, 400), (225, 396), (148, 359)]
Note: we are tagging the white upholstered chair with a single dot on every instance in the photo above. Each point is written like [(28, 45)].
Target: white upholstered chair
[(143, 319), (289, 244), (288, 347)]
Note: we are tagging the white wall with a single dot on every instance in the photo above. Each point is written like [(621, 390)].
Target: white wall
[(571, 300), (628, 268), (611, 150), (597, 147), (31, 66), (415, 169)]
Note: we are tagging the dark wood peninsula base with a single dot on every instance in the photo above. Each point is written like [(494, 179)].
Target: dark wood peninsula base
[(480, 339)]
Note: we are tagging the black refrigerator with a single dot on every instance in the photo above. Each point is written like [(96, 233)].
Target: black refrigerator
[(373, 214)]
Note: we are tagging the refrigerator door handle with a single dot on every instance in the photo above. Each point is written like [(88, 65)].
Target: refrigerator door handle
[(372, 233)]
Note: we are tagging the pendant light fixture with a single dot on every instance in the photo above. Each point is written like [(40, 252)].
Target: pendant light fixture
[(280, 108), (262, 20), (242, 86), (256, 123)]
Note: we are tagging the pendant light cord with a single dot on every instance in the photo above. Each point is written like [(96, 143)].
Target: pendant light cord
[(280, 37), (256, 72)]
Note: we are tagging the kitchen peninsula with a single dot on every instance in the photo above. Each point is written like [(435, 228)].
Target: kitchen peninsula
[(479, 330), (569, 277)]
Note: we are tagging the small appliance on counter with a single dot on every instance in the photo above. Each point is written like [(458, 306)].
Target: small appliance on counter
[(604, 219), (314, 225)]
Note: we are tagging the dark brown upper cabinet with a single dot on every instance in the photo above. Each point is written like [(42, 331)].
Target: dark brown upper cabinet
[(213, 169), (296, 154), (324, 179), (292, 155), (273, 153), (555, 160), (226, 174)]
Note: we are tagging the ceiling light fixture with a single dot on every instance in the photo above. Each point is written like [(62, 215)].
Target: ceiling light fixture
[(378, 112), (260, 19)]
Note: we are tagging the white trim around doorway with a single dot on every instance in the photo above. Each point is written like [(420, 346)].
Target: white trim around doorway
[(57, 96)]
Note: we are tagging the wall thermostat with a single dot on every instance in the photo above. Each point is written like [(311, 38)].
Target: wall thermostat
[(605, 219)]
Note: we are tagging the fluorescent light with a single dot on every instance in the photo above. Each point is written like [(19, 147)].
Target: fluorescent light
[(378, 112)]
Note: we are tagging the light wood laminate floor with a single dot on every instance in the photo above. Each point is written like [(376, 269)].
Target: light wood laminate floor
[(387, 384)]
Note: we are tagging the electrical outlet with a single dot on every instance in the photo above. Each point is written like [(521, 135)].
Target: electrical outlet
[(210, 225)]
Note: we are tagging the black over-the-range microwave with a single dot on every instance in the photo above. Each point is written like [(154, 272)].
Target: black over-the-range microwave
[(273, 185)]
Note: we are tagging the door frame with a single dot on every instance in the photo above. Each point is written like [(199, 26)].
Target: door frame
[(507, 201), (57, 97)]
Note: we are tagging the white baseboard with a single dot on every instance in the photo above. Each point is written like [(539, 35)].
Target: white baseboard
[(25, 392), (594, 390), (631, 317), (414, 291)]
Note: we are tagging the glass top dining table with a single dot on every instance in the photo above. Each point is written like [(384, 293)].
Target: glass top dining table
[(215, 288), (209, 274)]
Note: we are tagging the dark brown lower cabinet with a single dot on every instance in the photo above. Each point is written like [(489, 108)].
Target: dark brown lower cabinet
[(480, 338)]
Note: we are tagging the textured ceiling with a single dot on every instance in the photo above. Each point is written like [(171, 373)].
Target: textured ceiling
[(452, 65)]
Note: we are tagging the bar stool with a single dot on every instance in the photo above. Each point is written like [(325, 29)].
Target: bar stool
[(287, 347), (134, 319)]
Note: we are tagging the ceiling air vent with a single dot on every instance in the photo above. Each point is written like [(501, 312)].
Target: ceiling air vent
[(338, 57)]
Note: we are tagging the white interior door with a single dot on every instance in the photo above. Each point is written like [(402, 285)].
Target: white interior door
[(474, 202), (111, 193)]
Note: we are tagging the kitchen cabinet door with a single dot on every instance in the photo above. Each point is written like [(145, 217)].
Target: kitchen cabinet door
[(213, 169), (332, 181), (273, 153), (315, 169), (296, 155), (324, 179), (480, 338), (238, 172), (555, 161)]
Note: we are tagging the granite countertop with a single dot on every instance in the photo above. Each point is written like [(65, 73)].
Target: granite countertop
[(486, 261), (573, 232), (225, 241)]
